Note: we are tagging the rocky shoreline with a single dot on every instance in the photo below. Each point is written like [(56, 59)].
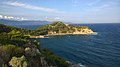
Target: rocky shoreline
[(86, 32), (72, 34), (58, 34)]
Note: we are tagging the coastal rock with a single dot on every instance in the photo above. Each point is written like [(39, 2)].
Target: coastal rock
[(31, 51)]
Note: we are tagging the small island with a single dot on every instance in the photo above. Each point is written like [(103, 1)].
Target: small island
[(59, 28)]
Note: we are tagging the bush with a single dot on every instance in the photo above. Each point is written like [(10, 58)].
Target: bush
[(7, 51), (18, 62)]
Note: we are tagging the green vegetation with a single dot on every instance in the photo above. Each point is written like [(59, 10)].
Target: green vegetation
[(8, 51), (58, 27), (14, 37), (18, 62), (6, 29), (55, 27), (17, 50)]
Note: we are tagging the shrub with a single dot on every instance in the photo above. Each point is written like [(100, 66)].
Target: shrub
[(18, 62)]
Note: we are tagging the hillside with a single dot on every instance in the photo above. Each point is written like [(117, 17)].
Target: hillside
[(59, 28), (18, 50)]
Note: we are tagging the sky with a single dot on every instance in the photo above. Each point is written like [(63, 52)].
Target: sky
[(75, 11)]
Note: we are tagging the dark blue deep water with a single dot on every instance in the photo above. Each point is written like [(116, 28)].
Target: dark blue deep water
[(101, 50)]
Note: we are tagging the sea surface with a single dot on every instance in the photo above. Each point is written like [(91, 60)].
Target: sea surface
[(101, 50)]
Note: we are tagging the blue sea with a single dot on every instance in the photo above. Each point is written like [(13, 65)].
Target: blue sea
[(101, 50)]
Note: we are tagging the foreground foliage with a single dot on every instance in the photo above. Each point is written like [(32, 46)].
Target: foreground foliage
[(18, 62), (17, 50)]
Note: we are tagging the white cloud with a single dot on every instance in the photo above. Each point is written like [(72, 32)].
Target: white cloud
[(32, 7), (58, 18), (54, 19), (1, 16)]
